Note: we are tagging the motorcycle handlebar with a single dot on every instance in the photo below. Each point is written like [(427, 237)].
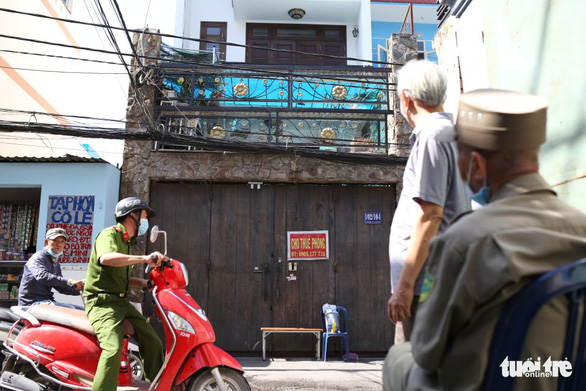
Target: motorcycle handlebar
[(166, 262), (166, 259)]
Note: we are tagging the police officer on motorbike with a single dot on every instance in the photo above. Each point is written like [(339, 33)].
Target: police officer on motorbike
[(106, 291)]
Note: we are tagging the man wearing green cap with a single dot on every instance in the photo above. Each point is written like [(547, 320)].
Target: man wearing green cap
[(485, 257), (42, 273)]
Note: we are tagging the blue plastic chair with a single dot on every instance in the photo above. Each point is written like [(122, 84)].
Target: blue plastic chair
[(342, 333), (514, 324)]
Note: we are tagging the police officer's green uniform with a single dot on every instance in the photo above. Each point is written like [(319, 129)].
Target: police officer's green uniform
[(107, 305)]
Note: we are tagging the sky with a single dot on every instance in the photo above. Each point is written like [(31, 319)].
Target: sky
[(138, 14), (52, 85), (158, 14)]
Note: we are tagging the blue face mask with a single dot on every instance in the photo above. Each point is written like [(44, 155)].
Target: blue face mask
[(144, 227), (54, 254), (482, 196)]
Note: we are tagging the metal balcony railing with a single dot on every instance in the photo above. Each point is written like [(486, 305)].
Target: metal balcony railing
[(341, 109)]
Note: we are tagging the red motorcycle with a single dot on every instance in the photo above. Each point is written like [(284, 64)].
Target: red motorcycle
[(56, 347)]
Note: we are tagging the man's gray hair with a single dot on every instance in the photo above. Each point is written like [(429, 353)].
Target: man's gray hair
[(424, 81)]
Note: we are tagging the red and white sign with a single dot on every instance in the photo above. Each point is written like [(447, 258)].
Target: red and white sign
[(308, 245), (75, 214)]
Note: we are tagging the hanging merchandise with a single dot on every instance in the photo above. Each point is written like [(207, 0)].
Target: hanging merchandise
[(17, 230)]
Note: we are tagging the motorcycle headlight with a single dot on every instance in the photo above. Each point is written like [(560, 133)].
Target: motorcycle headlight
[(180, 323)]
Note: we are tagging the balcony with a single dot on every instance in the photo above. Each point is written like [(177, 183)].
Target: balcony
[(326, 109), (317, 11)]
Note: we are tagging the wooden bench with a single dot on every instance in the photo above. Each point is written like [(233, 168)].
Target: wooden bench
[(270, 330)]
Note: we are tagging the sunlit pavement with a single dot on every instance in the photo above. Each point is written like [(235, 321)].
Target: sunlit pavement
[(311, 375)]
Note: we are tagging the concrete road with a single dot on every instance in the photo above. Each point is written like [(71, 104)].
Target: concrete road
[(311, 375)]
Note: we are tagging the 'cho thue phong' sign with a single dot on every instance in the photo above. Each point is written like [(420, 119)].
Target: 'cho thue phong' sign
[(75, 214), (308, 245)]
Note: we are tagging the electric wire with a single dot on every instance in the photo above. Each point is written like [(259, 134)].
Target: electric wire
[(59, 57), (146, 16), (199, 141), (138, 96), (63, 45), (125, 29), (135, 55), (65, 116), (232, 67), (178, 109), (192, 63), (93, 16), (61, 71), (164, 35), (138, 133), (134, 90), (110, 34)]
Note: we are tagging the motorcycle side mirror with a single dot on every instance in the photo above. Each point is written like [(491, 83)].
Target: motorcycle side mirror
[(155, 231)]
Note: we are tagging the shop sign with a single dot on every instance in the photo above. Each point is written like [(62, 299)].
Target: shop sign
[(75, 214)]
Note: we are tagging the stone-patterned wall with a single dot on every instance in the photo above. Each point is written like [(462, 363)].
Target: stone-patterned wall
[(403, 48), (143, 165), (139, 115)]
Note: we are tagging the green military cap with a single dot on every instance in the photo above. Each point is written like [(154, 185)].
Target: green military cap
[(499, 120)]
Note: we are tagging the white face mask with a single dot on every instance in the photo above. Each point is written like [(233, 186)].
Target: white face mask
[(144, 227)]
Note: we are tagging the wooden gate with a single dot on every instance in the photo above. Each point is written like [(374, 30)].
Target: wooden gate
[(233, 241)]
